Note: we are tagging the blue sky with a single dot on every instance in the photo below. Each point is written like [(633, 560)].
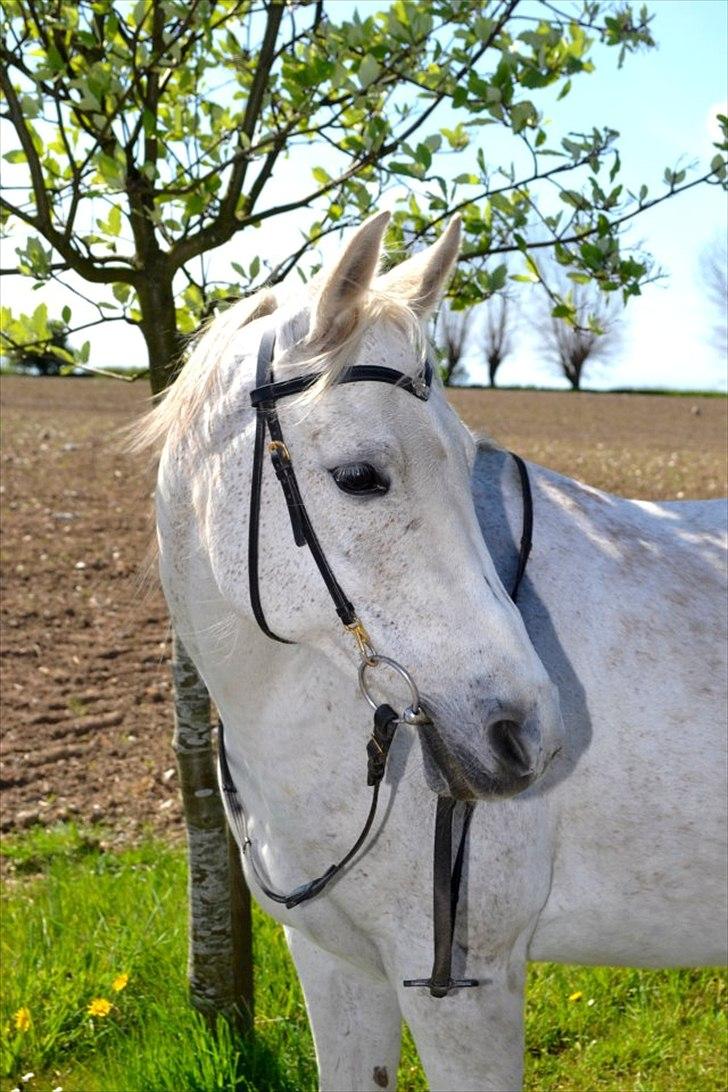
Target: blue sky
[(661, 102)]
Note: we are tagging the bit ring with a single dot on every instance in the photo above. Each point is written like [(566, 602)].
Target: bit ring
[(413, 712)]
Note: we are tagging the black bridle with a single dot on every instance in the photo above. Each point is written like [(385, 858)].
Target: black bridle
[(264, 398), (446, 874)]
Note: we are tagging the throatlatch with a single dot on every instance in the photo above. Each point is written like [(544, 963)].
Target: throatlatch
[(447, 875)]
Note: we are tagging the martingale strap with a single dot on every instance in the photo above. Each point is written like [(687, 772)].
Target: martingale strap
[(385, 725), (446, 875)]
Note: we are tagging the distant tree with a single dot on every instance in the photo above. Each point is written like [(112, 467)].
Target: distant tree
[(582, 329), (494, 335), (46, 354), (451, 335), (714, 275)]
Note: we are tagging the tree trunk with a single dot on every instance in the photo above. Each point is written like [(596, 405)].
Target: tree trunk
[(220, 958), (220, 952), (165, 344)]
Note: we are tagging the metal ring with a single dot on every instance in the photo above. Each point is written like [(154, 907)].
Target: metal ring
[(376, 659)]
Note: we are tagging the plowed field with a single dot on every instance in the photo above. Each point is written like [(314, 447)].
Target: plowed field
[(86, 698)]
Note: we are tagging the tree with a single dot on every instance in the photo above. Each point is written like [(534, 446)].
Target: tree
[(151, 133), (47, 355), (451, 335), (494, 339), (587, 333), (714, 273)]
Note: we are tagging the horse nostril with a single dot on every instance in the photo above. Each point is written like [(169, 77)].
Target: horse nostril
[(507, 742)]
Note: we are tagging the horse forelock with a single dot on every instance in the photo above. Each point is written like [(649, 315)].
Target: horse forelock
[(199, 381)]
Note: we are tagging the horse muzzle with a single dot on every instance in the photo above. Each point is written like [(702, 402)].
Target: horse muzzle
[(505, 756)]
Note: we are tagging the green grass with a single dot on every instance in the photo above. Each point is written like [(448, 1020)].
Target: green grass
[(75, 916)]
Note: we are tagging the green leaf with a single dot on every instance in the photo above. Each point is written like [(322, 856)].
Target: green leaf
[(523, 114), (30, 106), (254, 267), (369, 70), (719, 166), (194, 204), (16, 156), (66, 315), (498, 277), (424, 156), (121, 291), (113, 224), (562, 310), (532, 266)]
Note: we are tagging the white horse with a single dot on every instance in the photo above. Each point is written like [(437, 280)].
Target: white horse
[(613, 853)]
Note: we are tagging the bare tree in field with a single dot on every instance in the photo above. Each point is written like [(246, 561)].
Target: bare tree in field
[(451, 335), (714, 275), (494, 335), (585, 330)]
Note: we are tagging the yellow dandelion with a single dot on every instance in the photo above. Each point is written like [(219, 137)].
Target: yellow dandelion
[(21, 1019), (120, 982), (576, 996), (99, 1007)]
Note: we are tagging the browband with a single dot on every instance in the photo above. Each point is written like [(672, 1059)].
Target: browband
[(372, 373)]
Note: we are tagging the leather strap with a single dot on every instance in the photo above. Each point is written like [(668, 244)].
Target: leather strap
[(446, 880), (385, 726), (265, 353), (264, 397), (370, 373), (527, 529)]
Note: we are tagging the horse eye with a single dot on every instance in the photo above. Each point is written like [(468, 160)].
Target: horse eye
[(360, 479)]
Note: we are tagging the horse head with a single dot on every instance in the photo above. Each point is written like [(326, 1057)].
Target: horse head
[(385, 479)]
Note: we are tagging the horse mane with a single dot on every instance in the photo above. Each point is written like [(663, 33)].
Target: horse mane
[(182, 402)]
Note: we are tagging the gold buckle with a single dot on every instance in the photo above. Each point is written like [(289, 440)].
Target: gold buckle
[(280, 447), (363, 642)]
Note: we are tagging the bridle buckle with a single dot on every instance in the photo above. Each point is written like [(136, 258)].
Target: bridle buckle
[(363, 642), (277, 447)]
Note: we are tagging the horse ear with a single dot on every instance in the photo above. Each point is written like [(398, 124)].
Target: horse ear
[(344, 285), (421, 279)]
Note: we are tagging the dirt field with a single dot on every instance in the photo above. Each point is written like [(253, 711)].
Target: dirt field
[(85, 688)]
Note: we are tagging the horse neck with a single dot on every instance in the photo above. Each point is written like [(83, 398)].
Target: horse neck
[(285, 708)]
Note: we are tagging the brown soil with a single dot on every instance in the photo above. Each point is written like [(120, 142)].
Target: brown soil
[(86, 695)]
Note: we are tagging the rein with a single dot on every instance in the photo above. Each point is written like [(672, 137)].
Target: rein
[(447, 875)]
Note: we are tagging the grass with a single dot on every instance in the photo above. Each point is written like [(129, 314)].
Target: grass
[(77, 915)]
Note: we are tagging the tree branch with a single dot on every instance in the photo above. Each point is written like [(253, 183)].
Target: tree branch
[(253, 108), (579, 236), (26, 141), (85, 267)]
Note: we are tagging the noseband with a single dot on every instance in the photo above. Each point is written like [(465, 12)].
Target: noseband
[(446, 874)]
